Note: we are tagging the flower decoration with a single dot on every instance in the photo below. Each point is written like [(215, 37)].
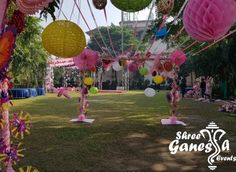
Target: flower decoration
[(6, 45), (13, 155), (100, 4), (21, 124), (18, 21)]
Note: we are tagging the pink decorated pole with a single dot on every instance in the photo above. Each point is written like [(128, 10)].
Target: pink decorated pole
[(6, 135)]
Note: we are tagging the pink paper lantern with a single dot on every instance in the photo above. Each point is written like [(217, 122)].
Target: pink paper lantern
[(133, 67), (209, 20), (86, 60), (32, 6), (178, 57)]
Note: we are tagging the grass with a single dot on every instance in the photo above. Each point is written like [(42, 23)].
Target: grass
[(126, 136)]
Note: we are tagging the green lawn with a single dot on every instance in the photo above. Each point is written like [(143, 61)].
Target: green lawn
[(126, 136)]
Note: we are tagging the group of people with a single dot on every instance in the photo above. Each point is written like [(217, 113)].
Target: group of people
[(201, 89)]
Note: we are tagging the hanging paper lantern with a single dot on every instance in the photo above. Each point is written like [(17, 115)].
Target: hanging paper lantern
[(32, 6), (20, 124), (131, 5), (87, 60), (6, 45), (28, 169), (116, 66), (143, 71), (88, 81), (63, 38), (93, 90), (206, 20), (158, 79), (178, 57), (165, 6), (154, 73), (133, 67), (149, 92), (100, 4), (168, 66)]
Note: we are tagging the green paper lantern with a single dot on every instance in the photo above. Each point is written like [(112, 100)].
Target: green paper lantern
[(131, 5), (93, 90), (143, 71)]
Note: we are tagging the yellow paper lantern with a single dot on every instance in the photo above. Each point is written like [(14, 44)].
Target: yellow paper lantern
[(64, 39), (158, 79), (88, 81)]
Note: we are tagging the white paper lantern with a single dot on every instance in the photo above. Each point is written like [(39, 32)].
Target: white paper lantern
[(116, 66), (149, 92)]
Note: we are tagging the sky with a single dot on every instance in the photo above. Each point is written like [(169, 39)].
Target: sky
[(113, 14)]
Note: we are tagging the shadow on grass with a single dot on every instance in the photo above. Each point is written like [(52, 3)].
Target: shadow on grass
[(126, 135)]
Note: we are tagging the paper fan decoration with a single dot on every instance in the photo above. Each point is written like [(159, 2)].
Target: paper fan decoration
[(6, 45), (131, 5), (64, 39), (32, 6), (206, 20), (20, 124), (87, 60), (13, 155), (178, 57), (165, 6), (28, 169), (100, 4)]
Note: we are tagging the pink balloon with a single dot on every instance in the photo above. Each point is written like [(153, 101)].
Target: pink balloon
[(86, 60), (178, 57), (133, 67), (209, 20)]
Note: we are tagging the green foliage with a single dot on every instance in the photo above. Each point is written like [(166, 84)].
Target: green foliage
[(50, 10), (28, 66), (127, 127), (58, 76), (130, 41), (219, 61)]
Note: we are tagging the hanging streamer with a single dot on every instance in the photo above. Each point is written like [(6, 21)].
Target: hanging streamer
[(96, 24), (215, 42), (87, 25)]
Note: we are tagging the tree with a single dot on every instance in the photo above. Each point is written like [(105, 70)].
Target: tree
[(130, 41), (29, 61)]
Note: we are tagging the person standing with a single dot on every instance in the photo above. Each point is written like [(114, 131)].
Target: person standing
[(183, 86), (203, 87)]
